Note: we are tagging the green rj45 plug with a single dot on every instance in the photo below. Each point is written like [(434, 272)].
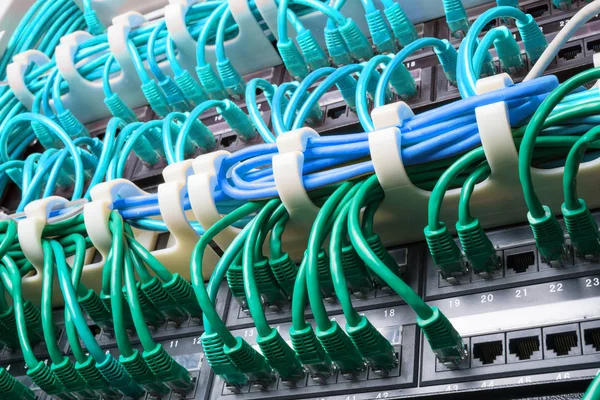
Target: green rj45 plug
[(444, 340), (509, 52), (72, 126), (404, 30), (533, 38), (119, 109), (380, 34), (403, 82), (292, 59), (8, 333), (325, 279), (219, 362), (456, 17), (211, 83), (162, 300), (549, 237), (562, 4), (285, 271), (182, 291), (281, 357), (12, 389), (239, 121), (445, 252), (448, 57), (357, 276), (311, 354), (583, 230), (167, 370), (45, 379), (72, 380), (377, 350), (313, 53), (347, 87), (358, 44), (151, 314), (174, 95), (478, 248), (201, 136), (191, 89), (341, 350), (376, 245), (90, 373), (119, 378), (235, 281), (487, 68), (232, 81), (95, 26), (336, 47), (33, 322), (156, 98), (250, 362), (269, 290)]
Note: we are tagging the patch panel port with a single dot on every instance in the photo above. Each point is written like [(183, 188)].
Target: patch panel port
[(487, 350), (570, 53), (520, 260), (524, 345), (561, 341), (538, 10), (591, 337)]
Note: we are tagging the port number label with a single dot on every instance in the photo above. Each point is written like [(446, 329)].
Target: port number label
[(592, 282), (520, 293), (487, 298), (487, 384), (454, 303), (174, 343), (353, 397), (197, 340), (389, 313), (249, 333), (382, 395), (566, 375), (526, 379), (451, 388), (556, 287)]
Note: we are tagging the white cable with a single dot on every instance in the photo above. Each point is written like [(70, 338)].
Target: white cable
[(584, 15)]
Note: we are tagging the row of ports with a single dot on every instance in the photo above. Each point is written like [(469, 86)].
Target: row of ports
[(532, 344)]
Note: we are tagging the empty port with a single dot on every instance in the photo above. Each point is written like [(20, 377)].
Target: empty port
[(487, 350), (228, 140), (561, 341), (570, 53), (336, 112), (518, 263), (593, 45), (523, 348), (591, 337), (95, 330), (537, 10)]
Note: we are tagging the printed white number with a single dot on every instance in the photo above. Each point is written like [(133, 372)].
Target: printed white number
[(521, 293), (595, 282), (556, 287), (487, 298), (454, 303)]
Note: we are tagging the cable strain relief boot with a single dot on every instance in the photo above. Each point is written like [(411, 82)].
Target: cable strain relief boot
[(174, 95), (380, 33), (191, 89), (44, 136), (508, 51), (487, 68), (281, 357), (119, 378), (375, 349), (376, 245), (292, 59), (140, 372), (358, 44), (235, 281), (325, 279), (347, 87), (315, 115), (269, 290), (219, 362), (533, 38), (156, 98), (336, 47), (311, 354), (403, 82), (90, 373), (285, 271), (583, 230), (144, 150), (372, 86), (154, 138), (562, 4), (12, 389), (46, 380), (201, 136), (549, 238), (445, 252), (239, 121), (456, 17), (33, 322), (162, 300), (119, 109), (182, 291), (403, 29), (70, 378), (95, 26), (478, 248), (448, 57), (72, 126), (169, 371), (250, 362), (313, 53), (211, 83), (341, 350), (152, 315), (105, 299), (357, 276), (15, 175), (444, 340), (232, 81)]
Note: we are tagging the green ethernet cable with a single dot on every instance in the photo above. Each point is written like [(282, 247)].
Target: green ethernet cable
[(444, 340)]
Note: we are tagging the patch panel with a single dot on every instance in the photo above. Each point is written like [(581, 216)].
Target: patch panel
[(409, 258), (521, 264)]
